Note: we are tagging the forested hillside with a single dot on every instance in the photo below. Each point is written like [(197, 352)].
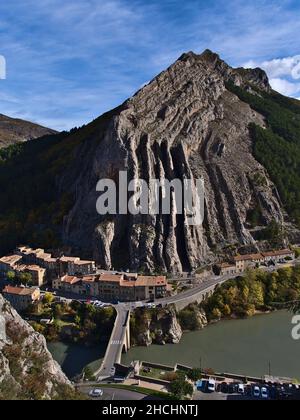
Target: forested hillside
[(277, 148)]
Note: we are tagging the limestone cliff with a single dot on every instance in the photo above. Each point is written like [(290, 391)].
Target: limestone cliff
[(27, 370), (184, 124)]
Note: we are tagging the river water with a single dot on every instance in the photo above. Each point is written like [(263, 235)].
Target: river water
[(73, 358), (240, 346)]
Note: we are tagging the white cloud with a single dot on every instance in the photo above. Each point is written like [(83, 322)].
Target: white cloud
[(285, 87), (288, 66), (284, 73)]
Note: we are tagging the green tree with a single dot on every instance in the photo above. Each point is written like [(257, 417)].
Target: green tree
[(25, 278), (11, 276), (181, 388), (48, 298), (195, 374)]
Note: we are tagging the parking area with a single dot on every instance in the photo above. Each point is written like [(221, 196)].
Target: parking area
[(211, 390)]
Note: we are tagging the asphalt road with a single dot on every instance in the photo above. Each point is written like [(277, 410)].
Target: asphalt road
[(114, 394), (114, 348)]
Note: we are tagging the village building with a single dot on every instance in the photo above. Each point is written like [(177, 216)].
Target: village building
[(9, 263), (110, 287), (21, 297), (76, 266), (38, 274), (225, 269), (277, 256)]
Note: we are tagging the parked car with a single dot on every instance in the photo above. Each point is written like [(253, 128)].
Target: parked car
[(264, 393), (211, 386), (241, 389), (96, 393), (256, 392), (224, 388), (231, 389)]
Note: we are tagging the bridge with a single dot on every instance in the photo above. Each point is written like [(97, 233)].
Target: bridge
[(120, 338), (119, 342)]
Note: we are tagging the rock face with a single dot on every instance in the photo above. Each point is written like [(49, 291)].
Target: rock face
[(27, 370), (183, 124), (156, 327), (16, 131)]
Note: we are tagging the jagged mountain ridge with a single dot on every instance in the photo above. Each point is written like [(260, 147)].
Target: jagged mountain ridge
[(14, 130), (185, 123)]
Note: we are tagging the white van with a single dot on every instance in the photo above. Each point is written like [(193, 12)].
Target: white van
[(211, 387)]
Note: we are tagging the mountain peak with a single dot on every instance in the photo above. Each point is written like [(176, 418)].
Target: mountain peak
[(239, 76)]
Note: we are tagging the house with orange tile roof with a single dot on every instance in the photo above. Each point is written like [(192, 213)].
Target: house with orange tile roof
[(9, 263), (21, 297), (110, 287)]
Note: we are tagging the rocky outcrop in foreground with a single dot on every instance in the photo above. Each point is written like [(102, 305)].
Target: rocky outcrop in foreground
[(27, 369)]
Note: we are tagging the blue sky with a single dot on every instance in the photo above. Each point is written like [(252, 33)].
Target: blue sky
[(69, 61)]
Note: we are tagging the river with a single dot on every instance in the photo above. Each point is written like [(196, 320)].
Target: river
[(239, 346), (73, 358)]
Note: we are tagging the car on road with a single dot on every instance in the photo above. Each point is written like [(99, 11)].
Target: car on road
[(256, 392), (264, 393), (96, 393)]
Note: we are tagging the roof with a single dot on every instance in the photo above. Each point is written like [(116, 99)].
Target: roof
[(111, 278), (10, 259), (69, 259), (226, 265), (151, 281), (25, 267), (278, 253), (128, 283), (70, 279), (35, 268), (84, 262), (89, 279), (44, 256), (248, 257), (20, 291)]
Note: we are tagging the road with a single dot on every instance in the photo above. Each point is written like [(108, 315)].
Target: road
[(115, 345), (110, 394)]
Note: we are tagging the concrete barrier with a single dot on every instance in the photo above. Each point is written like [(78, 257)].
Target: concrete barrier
[(157, 366), (152, 380)]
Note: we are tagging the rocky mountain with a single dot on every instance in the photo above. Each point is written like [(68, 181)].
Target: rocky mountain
[(198, 119), (27, 370), (15, 131)]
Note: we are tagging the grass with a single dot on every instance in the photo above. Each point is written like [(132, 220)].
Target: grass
[(154, 373)]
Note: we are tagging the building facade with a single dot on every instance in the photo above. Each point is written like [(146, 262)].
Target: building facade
[(110, 287), (21, 297)]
